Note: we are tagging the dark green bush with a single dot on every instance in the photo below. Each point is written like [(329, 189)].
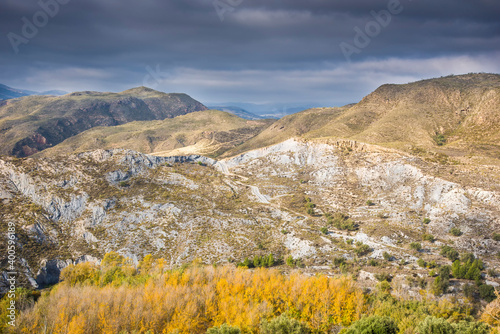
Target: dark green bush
[(455, 232), (383, 277), (465, 327), (362, 249), (258, 262), (342, 222), (338, 261), (440, 140), (283, 325), (449, 253), (487, 292), (224, 329), (440, 285), (433, 325), (468, 270), (428, 237), (373, 325), (416, 246)]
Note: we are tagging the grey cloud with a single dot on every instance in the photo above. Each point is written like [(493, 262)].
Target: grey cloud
[(122, 37)]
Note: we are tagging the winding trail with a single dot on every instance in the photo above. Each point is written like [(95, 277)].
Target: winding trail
[(254, 189), (262, 198)]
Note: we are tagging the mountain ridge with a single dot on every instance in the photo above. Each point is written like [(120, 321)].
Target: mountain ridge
[(32, 123)]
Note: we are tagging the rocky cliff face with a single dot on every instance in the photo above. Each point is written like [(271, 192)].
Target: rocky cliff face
[(77, 208)]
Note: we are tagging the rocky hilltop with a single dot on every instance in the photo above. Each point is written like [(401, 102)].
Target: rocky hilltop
[(314, 200)]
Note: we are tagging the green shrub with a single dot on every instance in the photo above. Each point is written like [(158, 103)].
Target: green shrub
[(496, 236), (387, 256), (370, 203), (487, 292), (342, 222), (469, 290), (373, 263), (449, 253), (383, 277), (428, 237), (373, 325), (324, 230), (432, 264), (456, 232), (421, 263), (384, 287), (283, 325), (224, 329), (258, 262), (124, 184), (426, 221), (362, 249), (416, 246), (468, 270), (440, 285), (433, 325), (440, 140), (444, 271), (338, 261), (467, 257), (465, 327)]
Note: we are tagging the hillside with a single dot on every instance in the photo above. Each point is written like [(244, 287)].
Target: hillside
[(455, 117), (290, 126), (464, 110), (209, 132), (31, 124)]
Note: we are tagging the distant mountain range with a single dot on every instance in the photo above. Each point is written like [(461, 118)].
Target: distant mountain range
[(266, 110), (7, 92), (240, 112), (455, 116)]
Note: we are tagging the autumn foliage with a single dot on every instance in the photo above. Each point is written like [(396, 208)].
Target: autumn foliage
[(491, 314), (114, 298)]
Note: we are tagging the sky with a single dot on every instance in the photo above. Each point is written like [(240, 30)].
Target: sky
[(326, 52)]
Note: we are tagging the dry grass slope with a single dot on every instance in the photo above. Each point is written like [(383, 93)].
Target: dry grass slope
[(209, 132)]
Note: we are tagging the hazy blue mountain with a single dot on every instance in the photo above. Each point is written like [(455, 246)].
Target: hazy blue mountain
[(7, 92), (272, 110), (237, 111), (53, 92)]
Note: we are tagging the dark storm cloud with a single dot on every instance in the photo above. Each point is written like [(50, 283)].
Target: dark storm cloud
[(108, 45)]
